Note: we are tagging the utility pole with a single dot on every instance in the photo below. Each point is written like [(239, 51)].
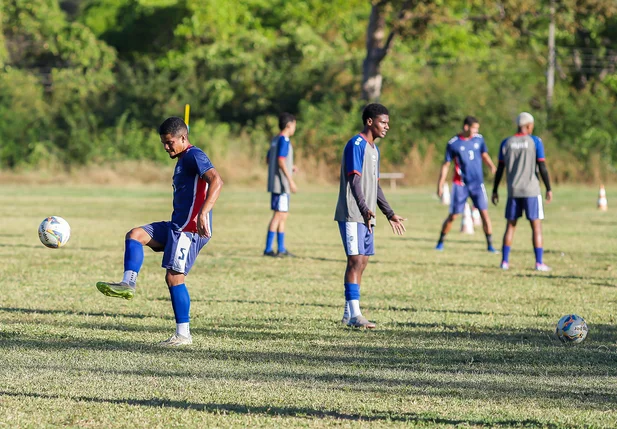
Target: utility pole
[(550, 75)]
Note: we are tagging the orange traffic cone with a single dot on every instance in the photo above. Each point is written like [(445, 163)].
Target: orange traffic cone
[(602, 203), (467, 221)]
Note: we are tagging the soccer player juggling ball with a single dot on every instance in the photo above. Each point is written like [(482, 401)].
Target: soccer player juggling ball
[(468, 151), (359, 196), (196, 187), (519, 156), (280, 183)]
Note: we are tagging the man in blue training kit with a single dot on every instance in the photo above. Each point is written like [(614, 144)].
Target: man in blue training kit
[(467, 150), (520, 156), (359, 196), (196, 187), (280, 183)]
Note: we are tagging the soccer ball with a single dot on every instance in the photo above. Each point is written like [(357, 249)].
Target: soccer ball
[(571, 329), (54, 232)]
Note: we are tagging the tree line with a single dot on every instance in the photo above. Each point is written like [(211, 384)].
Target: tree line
[(88, 81)]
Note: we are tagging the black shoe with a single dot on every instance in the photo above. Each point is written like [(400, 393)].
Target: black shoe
[(286, 254), (270, 253)]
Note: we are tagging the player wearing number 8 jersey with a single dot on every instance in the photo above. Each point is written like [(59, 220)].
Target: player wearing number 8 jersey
[(196, 187), (467, 150)]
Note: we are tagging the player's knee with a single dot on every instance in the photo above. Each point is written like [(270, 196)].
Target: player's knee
[(173, 278), (355, 264), (135, 234)]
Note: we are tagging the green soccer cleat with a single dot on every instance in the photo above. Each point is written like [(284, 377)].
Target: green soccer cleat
[(116, 290), (177, 340)]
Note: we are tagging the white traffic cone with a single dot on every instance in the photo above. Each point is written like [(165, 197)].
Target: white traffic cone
[(477, 219), (602, 202), (467, 221), (445, 196)]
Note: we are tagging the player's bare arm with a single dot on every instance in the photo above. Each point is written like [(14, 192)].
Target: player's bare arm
[(489, 162), (287, 173), (443, 174), (215, 183)]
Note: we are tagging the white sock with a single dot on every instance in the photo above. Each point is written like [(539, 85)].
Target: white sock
[(346, 314), (183, 329), (354, 307), (130, 278)]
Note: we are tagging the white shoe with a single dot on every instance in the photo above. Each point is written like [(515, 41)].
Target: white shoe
[(177, 340), (543, 267)]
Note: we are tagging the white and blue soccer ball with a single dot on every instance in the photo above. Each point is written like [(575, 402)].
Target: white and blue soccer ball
[(54, 232), (571, 329)]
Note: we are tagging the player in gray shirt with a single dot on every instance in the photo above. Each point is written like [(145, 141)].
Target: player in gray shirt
[(521, 156), (359, 197), (280, 183)]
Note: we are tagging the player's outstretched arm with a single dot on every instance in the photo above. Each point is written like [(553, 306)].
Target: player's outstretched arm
[(215, 183), (498, 176), (396, 221), (443, 174)]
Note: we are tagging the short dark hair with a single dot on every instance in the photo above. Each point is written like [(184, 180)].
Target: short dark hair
[(284, 119), (174, 126), (470, 120), (372, 111)]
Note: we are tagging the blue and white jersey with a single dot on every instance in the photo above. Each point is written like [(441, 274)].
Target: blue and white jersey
[(466, 152), (359, 158), (189, 188)]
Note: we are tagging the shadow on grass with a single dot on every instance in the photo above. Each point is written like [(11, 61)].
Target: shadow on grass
[(338, 306), (300, 412), (79, 313), (596, 281)]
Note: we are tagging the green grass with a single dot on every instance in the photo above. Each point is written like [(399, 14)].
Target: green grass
[(459, 343)]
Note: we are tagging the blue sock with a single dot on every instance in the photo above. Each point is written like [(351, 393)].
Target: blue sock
[(181, 302), (539, 253), (269, 241), (133, 260), (352, 291), (506, 253), (281, 241)]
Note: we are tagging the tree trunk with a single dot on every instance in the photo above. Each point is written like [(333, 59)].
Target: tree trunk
[(375, 53)]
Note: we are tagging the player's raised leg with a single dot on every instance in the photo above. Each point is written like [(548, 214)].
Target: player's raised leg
[(135, 239)]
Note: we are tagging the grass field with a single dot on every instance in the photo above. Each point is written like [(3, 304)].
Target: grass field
[(459, 343)]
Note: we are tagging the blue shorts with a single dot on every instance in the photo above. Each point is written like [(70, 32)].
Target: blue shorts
[(531, 205), (460, 193), (280, 202), (356, 238), (181, 248)]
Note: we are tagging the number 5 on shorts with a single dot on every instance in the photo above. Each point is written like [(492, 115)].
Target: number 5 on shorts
[(181, 253)]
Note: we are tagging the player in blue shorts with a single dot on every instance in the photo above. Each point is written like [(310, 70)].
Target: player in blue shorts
[(359, 196), (196, 187), (468, 151), (280, 184), (521, 156)]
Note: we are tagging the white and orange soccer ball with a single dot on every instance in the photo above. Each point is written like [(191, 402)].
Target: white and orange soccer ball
[(54, 232)]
